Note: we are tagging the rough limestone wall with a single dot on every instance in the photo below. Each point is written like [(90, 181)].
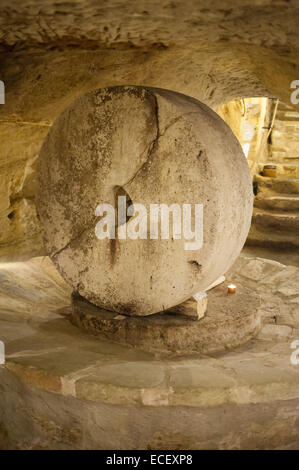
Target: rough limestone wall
[(250, 119), (52, 52), (233, 114)]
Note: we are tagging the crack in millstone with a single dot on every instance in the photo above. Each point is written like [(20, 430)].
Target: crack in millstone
[(152, 145), (150, 151), (57, 252)]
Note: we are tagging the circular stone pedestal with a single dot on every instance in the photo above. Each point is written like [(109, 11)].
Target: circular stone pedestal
[(63, 389), (231, 320)]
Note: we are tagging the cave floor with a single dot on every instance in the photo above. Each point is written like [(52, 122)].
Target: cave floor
[(63, 389)]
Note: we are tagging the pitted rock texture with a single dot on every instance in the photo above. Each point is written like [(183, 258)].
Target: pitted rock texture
[(51, 52), (160, 147), (260, 22)]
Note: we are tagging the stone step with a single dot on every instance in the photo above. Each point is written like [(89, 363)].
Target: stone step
[(277, 185), (287, 141), (270, 238), (283, 169), (285, 121), (285, 133), (284, 202), (283, 156), (276, 220), (286, 137)]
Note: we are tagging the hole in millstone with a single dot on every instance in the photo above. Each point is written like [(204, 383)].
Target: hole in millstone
[(120, 192), (201, 154), (195, 264)]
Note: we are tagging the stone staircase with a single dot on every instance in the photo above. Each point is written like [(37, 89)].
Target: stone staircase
[(275, 220)]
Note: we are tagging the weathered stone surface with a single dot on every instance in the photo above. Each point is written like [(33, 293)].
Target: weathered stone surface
[(249, 119), (277, 285), (63, 389), (278, 202), (275, 331), (53, 52), (278, 185), (288, 221), (20, 233), (267, 237), (161, 148), (230, 320), (277, 229), (43, 22), (31, 289)]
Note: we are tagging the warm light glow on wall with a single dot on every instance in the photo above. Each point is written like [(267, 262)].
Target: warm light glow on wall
[(246, 148)]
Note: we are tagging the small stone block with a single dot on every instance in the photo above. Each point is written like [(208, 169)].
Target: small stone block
[(194, 308)]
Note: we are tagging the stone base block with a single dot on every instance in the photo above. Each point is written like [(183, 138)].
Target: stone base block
[(230, 320)]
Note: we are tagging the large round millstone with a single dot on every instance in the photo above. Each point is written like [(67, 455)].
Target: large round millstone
[(156, 147)]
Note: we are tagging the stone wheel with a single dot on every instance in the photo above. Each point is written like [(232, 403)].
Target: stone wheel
[(155, 147)]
